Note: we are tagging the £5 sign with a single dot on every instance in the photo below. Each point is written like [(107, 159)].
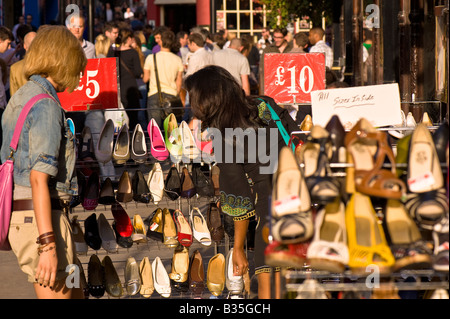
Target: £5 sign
[(291, 77), (98, 87)]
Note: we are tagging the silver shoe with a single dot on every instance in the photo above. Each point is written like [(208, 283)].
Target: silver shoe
[(132, 279)]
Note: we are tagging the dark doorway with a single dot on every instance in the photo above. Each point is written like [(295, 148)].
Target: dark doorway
[(180, 17)]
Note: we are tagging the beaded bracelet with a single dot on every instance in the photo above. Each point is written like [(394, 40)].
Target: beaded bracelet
[(44, 250)]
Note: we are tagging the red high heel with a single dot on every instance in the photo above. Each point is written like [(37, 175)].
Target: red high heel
[(184, 230)]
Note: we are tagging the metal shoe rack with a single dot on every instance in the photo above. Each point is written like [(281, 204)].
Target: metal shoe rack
[(151, 248), (362, 286)]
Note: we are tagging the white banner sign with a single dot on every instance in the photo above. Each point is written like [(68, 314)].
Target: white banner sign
[(379, 104)]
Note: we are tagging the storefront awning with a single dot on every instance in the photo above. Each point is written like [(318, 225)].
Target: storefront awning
[(169, 2)]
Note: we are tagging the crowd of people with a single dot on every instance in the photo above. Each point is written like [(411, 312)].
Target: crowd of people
[(161, 63)]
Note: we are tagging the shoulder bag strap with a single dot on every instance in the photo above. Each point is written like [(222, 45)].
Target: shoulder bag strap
[(158, 85), (276, 118), (22, 117)]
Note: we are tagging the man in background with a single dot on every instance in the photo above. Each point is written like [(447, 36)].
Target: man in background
[(16, 76), (316, 35)]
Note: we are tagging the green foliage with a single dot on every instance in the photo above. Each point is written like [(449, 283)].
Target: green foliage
[(289, 10)]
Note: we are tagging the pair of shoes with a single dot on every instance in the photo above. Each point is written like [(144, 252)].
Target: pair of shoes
[(179, 274), (172, 138), (215, 277), (91, 192), (315, 155), (78, 237), (199, 227), (196, 274), (146, 276), (161, 280), (113, 284), (125, 188), (132, 277), (214, 222), (328, 250), (184, 231), (140, 188), (172, 184), (291, 204), (369, 150), (122, 226), (155, 183), (106, 232), (139, 234), (91, 232), (158, 147)]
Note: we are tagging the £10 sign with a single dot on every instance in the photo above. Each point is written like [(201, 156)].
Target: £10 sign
[(98, 87), (291, 77)]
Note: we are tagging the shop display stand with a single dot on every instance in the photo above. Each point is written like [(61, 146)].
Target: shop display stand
[(364, 285), (151, 248)]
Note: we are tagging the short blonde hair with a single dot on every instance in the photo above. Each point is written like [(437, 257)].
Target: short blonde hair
[(102, 44), (56, 53)]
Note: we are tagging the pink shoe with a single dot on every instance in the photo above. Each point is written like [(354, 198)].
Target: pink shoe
[(158, 147)]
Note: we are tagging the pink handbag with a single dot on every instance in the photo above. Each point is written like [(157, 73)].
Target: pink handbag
[(7, 175)]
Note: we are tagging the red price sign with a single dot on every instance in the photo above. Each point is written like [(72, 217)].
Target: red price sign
[(291, 77), (98, 88)]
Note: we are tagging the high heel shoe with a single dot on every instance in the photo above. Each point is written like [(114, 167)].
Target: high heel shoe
[(86, 147), (106, 195), (172, 184), (328, 250), (105, 144), (158, 147), (106, 234), (199, 227), (187, 185), (90, 198), (170, 230), (125, 189), (406, 243), (184, 231), (172, 137), (190, 150), (138, 145), (315, 154), (337, 135), (180, 267), (427, 201), (141, 191), (121, 153), (366, 240), (196, 274), (155, 183), (122, 226), (155, 225), (368, 150)]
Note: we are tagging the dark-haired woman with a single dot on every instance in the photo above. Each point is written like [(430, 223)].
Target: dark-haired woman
[(219, 102)]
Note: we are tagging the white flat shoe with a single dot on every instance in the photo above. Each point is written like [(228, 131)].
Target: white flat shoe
[(234, 284), (155, 183), (161, 280), (199, 227)]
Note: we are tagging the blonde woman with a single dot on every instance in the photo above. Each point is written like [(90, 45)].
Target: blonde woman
[(102, 46), (40, 234)]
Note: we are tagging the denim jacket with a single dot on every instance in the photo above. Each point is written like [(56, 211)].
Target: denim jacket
[(46, 143)]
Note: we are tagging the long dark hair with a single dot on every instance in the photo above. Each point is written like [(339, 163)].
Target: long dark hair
[(218, 100)]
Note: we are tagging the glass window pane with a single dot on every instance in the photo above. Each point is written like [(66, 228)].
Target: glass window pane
[(231, 4), (244, 20), (219, 4), (257, 6), (258, 21), (244, 4), (231, 20)]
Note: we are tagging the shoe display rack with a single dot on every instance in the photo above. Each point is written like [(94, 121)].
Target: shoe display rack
[(122, 250), (378, 223)]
